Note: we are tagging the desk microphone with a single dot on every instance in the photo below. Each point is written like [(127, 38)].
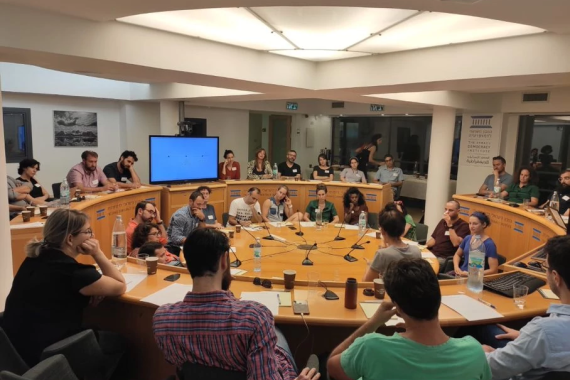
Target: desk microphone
[(355, 245), (237, 262), (269, 236), (352, 259), (338, 237), (250, 234), (308, 261), (300, 232)]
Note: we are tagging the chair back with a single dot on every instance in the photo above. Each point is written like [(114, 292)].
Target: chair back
[(556, 376), (421, 233), (373, 220), (55, 188), (10, 360), (225, 217), (193, 371), (54, 368)]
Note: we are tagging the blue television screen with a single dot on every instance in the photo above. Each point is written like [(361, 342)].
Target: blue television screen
[(183, 159)]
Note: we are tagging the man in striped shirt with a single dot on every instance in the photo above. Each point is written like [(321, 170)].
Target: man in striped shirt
[(212, 328)]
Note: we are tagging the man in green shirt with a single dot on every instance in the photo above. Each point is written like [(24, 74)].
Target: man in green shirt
[(424, 351)]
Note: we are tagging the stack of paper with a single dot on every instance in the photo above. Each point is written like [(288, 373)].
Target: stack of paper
[(171, 294), (470, 308), (253, 228), (308, 224)]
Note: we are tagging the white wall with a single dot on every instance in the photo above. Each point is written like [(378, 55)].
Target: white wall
[(56, 162)]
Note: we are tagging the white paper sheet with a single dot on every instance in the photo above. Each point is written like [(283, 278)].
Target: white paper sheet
[(133, 279), (308, 224), (269, 299), (369, 308), (283, 224), (252, 229), (346, 226), (279, 238), (427, 255), (372, 234), (237, 272), (470, 308), (26, 225), (171, 294)]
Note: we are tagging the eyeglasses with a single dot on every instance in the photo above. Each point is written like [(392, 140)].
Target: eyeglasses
[(88, 231), (151, 211)]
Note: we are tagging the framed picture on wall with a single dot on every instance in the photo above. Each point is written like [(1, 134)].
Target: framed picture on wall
[(73, 128)]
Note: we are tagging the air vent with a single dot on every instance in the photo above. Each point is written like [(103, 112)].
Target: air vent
[(338, 105), (536, 97)]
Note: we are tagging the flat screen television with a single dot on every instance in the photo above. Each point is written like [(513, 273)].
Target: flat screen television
[(178, 159)]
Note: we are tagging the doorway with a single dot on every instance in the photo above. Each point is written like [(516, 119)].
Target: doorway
[(279, 137)]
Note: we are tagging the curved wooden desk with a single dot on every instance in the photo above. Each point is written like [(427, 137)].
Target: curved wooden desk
[(102, 212), (514, 230)]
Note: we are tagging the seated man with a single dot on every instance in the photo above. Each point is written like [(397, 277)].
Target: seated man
[(389, 174), (144, 212), (424, 351), (213, 328), (17, 197), (244, 211), (289, 169), (541, 346), (564, 192), (208, 210), (87, 176), (448, 234), (186, 220), (505, 179), (124, 169)]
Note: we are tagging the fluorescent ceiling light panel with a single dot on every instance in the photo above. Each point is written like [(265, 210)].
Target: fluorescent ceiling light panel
[(319, 55), (234, 26), (436, 29), (330, 28)]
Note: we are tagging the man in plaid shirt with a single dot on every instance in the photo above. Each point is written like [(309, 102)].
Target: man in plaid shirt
[(212, 328)]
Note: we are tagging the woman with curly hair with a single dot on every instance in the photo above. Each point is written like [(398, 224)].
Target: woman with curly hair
[(354, 204)]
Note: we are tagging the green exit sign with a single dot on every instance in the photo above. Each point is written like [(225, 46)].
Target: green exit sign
[(376, 107), (292, 106)]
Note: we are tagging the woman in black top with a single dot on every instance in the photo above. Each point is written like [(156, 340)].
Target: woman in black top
[(322, 171), (27, 170), (51, 288), (365, 153)]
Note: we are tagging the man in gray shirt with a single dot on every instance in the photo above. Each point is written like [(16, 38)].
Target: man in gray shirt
[(541, 346), (505, 179), (390, 174), (393, 224), (186, 220)]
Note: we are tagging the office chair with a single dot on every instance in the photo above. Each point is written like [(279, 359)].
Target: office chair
[(225, 217), (54, 368), (448, 265), (55, 188), (421, 233), (373, 220)]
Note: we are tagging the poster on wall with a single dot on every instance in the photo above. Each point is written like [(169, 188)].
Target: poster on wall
[(478, 148), (72, 128)]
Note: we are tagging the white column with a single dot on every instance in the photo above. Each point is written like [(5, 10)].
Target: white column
[(6, 274), (441, 146), (168, 118)]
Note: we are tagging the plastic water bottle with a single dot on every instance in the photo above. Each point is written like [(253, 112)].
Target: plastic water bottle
[(497, 188), (119, 243), (64, 193), (318, 219), (362, 223), (275, 171), (555, 201), (476, 265), (416, 170), (257, 256)]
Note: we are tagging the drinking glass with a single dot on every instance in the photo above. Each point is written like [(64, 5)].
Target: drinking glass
[(312, 284), (519, 295), (461, 281)]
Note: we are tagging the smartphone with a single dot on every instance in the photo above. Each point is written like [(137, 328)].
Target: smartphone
[(172, 277), (301, 308)]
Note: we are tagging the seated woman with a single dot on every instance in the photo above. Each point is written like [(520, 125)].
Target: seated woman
[(27, 171), (523, 187), (51, 289), (410, 230), (259, 168), (327, 208), (392, 223), (478, 222), (354, 204), (149, 232), (352, 174), (229, 169), (322, 171), (278, 208)]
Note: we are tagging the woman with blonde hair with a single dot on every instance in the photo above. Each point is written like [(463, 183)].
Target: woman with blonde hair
[(51, 289), (259, 168)]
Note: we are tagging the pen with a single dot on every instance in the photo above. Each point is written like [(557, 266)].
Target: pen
[(486, 303), (278, 299)]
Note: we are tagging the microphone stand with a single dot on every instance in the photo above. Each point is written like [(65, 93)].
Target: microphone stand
[(268, 237), (338, 237), (308, 261), (237, 262), (355, 245), (250, 234), (300, 232)]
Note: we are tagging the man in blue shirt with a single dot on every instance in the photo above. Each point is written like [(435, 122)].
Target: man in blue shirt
[(390, 174), (186, 220), (543, 345)]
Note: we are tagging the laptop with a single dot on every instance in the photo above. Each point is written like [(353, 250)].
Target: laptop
[(557, 218)]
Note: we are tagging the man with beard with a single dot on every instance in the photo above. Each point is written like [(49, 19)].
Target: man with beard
[(87, 176), (541, 346), (289, 169), (211, 327), (123, 170), (186, 219), (564, 192), (145, 212)]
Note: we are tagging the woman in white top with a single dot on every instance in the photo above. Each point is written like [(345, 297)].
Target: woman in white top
[(352, 174), (279, 208)]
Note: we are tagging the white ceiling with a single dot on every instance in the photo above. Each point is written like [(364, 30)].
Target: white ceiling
[(329, 33)]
